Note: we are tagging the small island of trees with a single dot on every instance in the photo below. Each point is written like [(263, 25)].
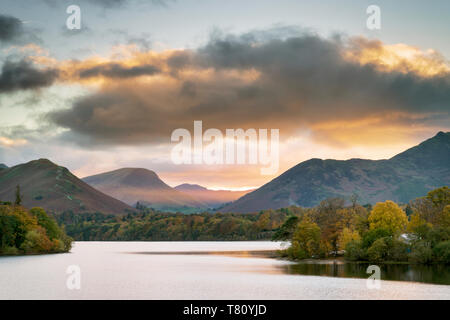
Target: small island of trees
[(31, 231)]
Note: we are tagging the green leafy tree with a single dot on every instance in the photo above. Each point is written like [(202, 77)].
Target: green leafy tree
[(30, 232), (354, 251), (442, 252), (440, 197), (286, 230), (48, 223), (378, 251), (421, 252)]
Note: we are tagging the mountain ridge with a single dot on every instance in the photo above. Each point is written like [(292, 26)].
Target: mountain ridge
[(405, 176), (54, 188), (132, 185), (212, 198)]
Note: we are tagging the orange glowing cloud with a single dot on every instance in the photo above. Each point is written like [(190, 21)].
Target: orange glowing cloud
[(397, 57)]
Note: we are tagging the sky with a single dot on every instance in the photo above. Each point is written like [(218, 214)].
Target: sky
[(110, 94)]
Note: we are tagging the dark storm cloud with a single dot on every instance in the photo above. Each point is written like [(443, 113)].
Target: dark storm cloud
[(11, 28), (302, 80), (23, 75), (114, 70), (314, 68), (14, 31)]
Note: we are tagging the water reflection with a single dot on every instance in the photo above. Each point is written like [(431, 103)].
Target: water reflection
[(228, 253), (437, 274)]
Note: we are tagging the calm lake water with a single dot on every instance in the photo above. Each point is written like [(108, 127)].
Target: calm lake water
[(204, 270)]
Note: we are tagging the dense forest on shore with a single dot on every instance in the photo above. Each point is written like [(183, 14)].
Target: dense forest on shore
[(149, 225), (418, 233), (24, 231)]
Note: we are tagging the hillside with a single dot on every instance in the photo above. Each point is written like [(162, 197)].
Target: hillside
[(47, 185), (406, 176), (212, 198), (132, 185)]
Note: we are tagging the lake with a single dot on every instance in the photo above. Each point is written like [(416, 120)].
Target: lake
[(205, 270)]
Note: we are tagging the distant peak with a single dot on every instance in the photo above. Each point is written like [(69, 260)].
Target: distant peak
[(187, 186), (442, 134), (42, 161), (141, 170)]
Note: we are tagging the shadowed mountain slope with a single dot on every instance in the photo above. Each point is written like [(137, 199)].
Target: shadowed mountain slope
[(132, 185), (213, 198), (405, 176), (54, 188)]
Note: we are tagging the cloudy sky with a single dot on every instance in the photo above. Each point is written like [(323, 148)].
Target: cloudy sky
[(110, 94)]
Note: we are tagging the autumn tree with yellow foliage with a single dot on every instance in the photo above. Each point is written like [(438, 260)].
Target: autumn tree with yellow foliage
[(389, 216), (380, 234)]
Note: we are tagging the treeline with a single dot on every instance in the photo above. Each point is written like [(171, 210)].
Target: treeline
[(31, 231), (418, 232), (149, 225)]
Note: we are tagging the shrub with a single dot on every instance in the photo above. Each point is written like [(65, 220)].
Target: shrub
[(398, 251), (36, 241), (421, 252), (296, 252), (442, 252), (372, 235), (10, 251), (354, 251), (378, 251)]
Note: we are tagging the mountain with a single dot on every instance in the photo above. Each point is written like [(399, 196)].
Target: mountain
[(132, 185), (47, 185), (406, 176), (3, 166), (212, 198)]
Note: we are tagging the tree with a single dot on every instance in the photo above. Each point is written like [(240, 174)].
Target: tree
[(48, 223), (354, 251), (286, 230), (418, 226), (346, 236), (36, 241), (329, 216), (388, 215), (378, 250), (440, 197), (30, 232), (18, 201), (432, 208), (354, 199), (444, 218), (442, 252), (421, 252), (306, 239)]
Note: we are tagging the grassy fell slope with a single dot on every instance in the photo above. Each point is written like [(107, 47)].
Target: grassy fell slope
[(54, 188), (406, 176)]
